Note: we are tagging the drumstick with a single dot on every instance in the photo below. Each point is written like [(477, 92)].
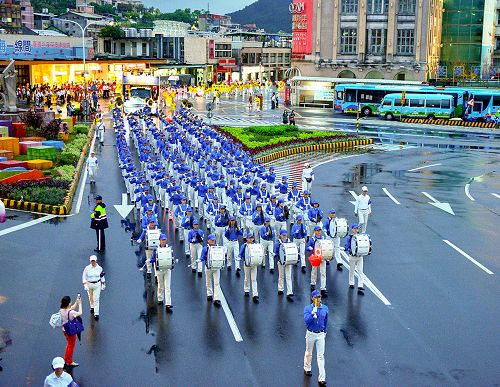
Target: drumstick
[(142, 268)]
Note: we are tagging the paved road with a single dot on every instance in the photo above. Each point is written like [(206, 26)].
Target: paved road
[(439, 328)]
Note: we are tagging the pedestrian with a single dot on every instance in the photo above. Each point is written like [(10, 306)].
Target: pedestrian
[(92, 165), (250, 102), (163, 272), (311, 245), (212, 274), (355, 262), (267, 236), (195, 239), (93, 282), (363, 208), (299, 233), (100, 131), (59, 378), (250, 270), (316, 319), (307, 177), (99, 222), (285, 117), (273, 102), (291, 118), (68, 312), (284, 270), (231, 234)]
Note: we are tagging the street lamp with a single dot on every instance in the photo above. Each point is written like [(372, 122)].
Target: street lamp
[(84, 49)]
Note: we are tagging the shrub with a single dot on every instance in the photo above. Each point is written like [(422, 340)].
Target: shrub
[(81, 128), (46, 192), (51, 130), (32, 119), (277, 130), (70, 155), (63, 172)]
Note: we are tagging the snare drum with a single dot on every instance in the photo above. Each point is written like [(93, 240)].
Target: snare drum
[(339, 228), (288, 254), (165, 259), (361, 245), (152, 238), (254, 255), (326, 248), (215, 258)]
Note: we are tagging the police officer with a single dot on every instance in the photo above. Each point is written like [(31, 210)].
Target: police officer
[(355, 262), (283, 270), (316, 320), (363, 208), (212, 276), (250, 271), (94, 280), (267, 236), (322, 267), (195, 238), (99, 222), (163, 276), (299, 234)]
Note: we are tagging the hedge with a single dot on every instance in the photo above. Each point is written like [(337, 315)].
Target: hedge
[(51, 192)]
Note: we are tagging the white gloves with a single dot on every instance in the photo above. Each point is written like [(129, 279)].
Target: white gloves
[(315, 310), (139, 240), (103, 286), (85, 287)]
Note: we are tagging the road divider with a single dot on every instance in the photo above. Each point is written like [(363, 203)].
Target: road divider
[(482, 267), (448, 122), (390, 196)]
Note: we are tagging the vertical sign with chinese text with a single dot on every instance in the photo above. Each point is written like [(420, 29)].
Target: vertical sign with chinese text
[(302, 26)]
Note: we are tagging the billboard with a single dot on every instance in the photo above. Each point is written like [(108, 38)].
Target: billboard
[(302, 26)]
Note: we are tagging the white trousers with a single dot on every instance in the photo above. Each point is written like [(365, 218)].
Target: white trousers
[(285, 271), (219, 235), (164, 278), (94, 293), (314, 275), (195, 249), (301, 246), (268, 249), (149, 265), (212, 282), (186, 244), (279, 226), (363, 220), (256, 232), (232, 251), (317, 339), (306, 186), (356, 263), (248, 224), (250, 275), (92, 173)]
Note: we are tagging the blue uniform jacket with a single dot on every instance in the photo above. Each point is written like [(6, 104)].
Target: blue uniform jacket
[(318, 324)]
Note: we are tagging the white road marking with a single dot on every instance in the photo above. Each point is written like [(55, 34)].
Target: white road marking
[(468, 256), (354, 196), (496, 195), (84, 180), (390, 196), (230, 318), (467, 187), (441, 205), (423, 167), (27, 224), (368, 282)]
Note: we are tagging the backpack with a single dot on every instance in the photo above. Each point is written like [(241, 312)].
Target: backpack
[(56, 320)]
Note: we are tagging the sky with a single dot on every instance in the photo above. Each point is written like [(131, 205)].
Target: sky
[(216, 6)]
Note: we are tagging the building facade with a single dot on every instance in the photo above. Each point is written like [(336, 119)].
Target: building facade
[(83, 19), (10, 17), (381, 39)]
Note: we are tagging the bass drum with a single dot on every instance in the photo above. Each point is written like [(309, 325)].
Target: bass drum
[(288, 254), (152, 238), (215, 259), (165, 258), (339, 228), (325, 246), (254, 255), (361, 245)]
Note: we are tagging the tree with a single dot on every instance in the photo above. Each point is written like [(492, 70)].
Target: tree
[(114, 32), (103, 9)]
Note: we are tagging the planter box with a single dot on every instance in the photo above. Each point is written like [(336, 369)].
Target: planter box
[(42, 153), (39, 164), (7, 154), (33, 138), (8, 124), (4, 131), (18, 129), (10, 144), (24, 145), (12, 164), (59, 145)]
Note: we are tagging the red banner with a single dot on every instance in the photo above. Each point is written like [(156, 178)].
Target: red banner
[(302, 26)]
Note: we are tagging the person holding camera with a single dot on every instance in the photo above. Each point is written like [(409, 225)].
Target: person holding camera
[(69, 312)]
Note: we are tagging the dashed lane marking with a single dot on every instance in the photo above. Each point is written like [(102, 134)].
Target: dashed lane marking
[(27, 224), (482, 267), (390, 196), (496, 195)]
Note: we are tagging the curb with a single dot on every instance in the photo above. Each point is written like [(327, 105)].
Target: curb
[(50, 209), (449, 122), (337, 146)]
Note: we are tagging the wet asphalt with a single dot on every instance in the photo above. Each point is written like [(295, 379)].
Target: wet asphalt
[(440, 329)]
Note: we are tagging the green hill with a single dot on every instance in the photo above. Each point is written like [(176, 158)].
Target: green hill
[(272, 15)]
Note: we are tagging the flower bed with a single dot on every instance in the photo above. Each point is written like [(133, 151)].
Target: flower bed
[(52, 192), (266, 139)]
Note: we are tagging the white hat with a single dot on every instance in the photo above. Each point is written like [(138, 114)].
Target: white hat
[(93, 258), (365, 188), (58, 362)]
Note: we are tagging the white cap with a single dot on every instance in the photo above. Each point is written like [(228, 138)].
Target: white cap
[(365, 188), (58, 362), (93, 258)]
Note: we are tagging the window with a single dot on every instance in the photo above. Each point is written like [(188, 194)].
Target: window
[(417, 102), (433, 103), (378, 7), (406, 7), (122, 48), (397, 101), (376, 41), (348, 40), (387, 102), (366, 96), (350, 96), (349, 7), (445, 104), (405, 42), (144, 48), (340, 95)]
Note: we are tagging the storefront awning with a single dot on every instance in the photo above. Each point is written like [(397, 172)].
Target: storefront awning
[(178, 66)]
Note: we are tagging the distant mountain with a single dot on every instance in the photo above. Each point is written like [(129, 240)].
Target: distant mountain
[(272, 15)]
